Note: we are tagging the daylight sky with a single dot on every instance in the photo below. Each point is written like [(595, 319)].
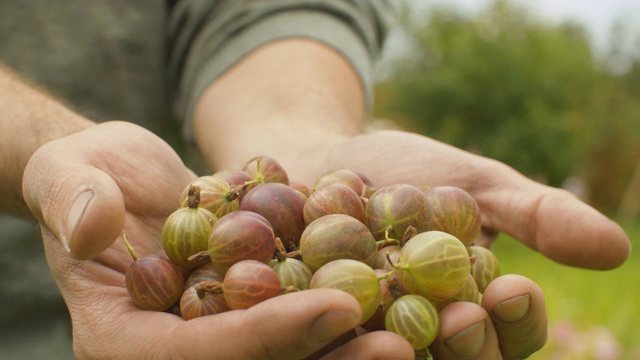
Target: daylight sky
[(596, 15)]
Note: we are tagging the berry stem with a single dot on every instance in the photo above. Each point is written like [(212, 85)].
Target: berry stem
[(258, 179), (395, 266), (129, 247), (199, 259), (281, 252), (203, 287), (387, 230), (408, 234), (194, 197), (387, 240), (234, 193), (259, 176), (386, 275), (423, 354), (429, 355), (288, 289)]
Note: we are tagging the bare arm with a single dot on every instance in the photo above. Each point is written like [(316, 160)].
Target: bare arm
[(288, 100), (28, 119)]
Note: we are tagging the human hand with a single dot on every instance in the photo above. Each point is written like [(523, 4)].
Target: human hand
[(310, 105), (116, 178), (511, 323), (546, 219)]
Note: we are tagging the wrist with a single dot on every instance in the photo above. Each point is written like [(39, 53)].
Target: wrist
[(292, 100), (301, 147), (30, 119)]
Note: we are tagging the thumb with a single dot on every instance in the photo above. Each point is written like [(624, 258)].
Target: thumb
[(516, 306), (80, 204), (290, 326)]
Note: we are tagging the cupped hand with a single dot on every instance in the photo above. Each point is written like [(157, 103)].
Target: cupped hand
[(550, 220), (116, 178), (511, 323)]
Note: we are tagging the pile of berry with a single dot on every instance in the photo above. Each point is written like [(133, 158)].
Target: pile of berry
[(240, 237)]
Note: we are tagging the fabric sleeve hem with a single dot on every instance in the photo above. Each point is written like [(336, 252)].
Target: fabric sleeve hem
[(292, 24)]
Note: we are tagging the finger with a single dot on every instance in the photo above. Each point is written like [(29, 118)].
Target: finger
[(377, 345), (291, 326), (552, 221), (79, 186), (80, 204), (516, 306), (334, 344), (466, 332)]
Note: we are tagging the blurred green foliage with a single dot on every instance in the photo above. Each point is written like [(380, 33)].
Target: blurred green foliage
[(529, 93)]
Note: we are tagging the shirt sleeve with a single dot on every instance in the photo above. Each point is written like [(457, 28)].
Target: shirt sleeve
[(207, 37)]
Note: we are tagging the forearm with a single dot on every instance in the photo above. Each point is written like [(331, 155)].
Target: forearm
[(307, 99), (28, 119), (311, 109)]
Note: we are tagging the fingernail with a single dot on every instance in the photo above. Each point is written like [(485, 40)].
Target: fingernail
[(467, 342), (332, 324), (512, 310), (74, 216)]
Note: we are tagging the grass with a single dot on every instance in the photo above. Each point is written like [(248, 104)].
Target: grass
[(596, 303)]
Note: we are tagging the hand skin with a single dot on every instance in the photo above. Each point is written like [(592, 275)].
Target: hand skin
[(309, 106)]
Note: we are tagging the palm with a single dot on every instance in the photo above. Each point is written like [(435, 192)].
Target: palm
[(150, 177)]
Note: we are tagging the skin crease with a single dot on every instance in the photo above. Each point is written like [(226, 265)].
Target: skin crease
[(310, 106)]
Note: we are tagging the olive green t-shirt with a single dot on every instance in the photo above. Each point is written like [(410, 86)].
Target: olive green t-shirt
[(145, 61)]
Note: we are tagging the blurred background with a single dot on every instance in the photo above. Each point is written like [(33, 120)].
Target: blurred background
[(551, 88)]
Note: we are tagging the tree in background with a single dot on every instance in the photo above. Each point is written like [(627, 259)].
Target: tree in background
[(513, 87)]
